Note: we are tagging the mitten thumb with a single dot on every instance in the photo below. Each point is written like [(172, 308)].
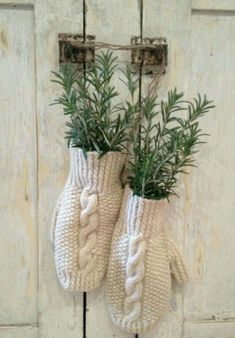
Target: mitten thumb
[(177, 265)]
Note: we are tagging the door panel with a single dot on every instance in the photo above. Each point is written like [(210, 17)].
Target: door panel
[(213, 6), (61, 313), (210, 330), (210, 232), (34, 162), (168, 19), (18, 172), (19, 332)]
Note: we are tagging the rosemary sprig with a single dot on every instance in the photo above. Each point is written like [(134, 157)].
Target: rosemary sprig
[(167, 143), (95, 122)]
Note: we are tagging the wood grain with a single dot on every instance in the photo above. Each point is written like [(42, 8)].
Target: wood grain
[(209, 330), (168, 19), (16, 4), (210, 198), (34, 163), (19, 332), (213, 5), (60, 312), (18, 170)]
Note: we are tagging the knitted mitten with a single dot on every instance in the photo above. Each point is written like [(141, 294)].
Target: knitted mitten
[(141, 261), (84, 217)]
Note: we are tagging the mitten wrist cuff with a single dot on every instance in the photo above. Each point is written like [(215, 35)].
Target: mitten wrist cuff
[(74, 175), (97, 173), (143, 214)]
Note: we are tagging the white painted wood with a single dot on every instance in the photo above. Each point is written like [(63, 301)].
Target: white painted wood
[(214, 5), (60, 312), (18, 172), (209, 209), (201, 58), (15, 3), (209, 330), (171, 20), (19, 332), (112, 22), (168, 19)]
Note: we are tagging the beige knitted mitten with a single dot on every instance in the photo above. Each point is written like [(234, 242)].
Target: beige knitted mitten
[(84, 217), (141, 261)]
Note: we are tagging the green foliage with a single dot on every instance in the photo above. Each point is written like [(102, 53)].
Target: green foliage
[(164, 141), (165, 144), (95, 122)]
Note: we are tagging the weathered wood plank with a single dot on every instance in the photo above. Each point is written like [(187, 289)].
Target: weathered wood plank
[(209, 209), (213, 5), (111, 22), (17, 4), (164, 18), (60, 312), (209, 330), (19, 332), (203, 218), (18, 170)]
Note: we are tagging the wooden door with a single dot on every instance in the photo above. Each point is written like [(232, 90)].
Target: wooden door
[(34, 162)]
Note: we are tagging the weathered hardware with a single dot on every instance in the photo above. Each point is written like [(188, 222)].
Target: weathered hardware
[(71, 50), (152, 56)]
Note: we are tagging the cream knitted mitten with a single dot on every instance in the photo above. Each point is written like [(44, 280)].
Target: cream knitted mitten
[(84, 217), (141, 261)]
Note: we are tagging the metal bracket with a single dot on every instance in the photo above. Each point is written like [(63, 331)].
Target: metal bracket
[(153, 57), (150, 53), (70, 50)]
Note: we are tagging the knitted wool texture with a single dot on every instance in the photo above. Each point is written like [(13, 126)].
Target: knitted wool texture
[(84, 217), (141, 262)]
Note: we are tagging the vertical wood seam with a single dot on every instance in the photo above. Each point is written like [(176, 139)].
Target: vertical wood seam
[(84, 299), (140, 68), (184, 226), (84, 20), (37, 164), (140, 77), (84, 313)]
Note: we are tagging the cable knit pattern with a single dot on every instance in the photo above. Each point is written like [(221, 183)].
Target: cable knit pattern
[(141, 261), (134, 277), (89, 219), (84, 217)]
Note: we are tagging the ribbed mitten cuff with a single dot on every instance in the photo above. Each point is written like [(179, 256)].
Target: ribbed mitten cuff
[(96, 173), (142, 214)]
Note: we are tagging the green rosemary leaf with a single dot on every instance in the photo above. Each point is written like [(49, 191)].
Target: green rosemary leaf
[(87, 99), (163, 149)]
